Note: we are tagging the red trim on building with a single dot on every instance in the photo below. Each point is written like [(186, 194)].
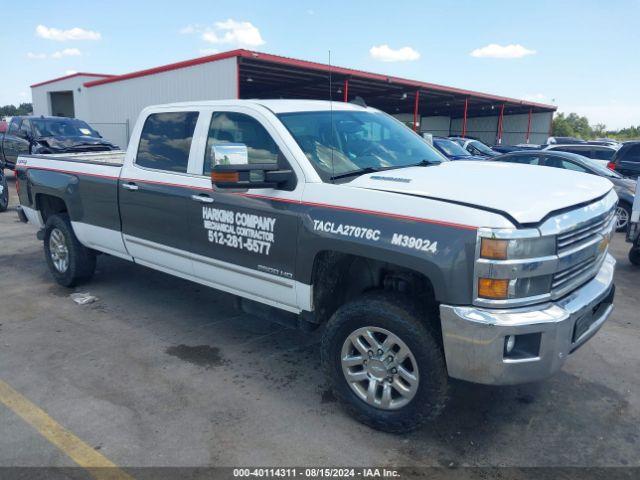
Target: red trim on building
[(464, 118), (500, 125), (78, 74), (528, 127), (346, 90), (292, 62)]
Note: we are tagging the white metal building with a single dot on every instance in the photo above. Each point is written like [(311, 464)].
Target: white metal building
[(111, 103)]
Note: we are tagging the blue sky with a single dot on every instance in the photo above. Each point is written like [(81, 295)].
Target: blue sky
[(581, 55)]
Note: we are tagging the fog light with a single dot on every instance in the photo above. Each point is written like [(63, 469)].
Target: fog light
[(509, 343)]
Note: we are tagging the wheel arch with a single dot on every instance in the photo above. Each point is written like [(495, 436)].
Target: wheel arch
[(338, 277)]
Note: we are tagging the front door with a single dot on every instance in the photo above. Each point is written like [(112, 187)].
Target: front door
[(246, 241), (154, 193)]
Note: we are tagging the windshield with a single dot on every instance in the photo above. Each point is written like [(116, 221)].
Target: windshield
[(62, 127), (450, 148), (482, 147), (600, 166), (347, 141)]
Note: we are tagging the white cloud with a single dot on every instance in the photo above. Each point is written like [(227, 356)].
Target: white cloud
[(67, 52), (208, 51), (494, 50), (228, 32), (385, 53), (189, 29), (58, 35)]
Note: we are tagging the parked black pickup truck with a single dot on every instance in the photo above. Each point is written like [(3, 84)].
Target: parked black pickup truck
[(40, 135)]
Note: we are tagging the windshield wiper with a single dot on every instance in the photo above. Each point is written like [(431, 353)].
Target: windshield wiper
[(363, 171), (421, 163)]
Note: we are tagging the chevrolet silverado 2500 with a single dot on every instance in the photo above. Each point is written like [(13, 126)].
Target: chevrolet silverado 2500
[(417, 268)]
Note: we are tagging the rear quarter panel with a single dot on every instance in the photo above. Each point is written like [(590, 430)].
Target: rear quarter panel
[(90, 192)]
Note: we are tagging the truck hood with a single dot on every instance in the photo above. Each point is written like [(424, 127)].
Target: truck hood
[(526, 193)]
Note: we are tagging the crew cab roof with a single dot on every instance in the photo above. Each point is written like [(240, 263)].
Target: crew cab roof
[(279, 106)]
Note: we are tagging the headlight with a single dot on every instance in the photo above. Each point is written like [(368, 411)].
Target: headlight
[(519, 248), (511, 265)]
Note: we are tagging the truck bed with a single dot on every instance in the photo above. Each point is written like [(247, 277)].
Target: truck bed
[(114, 158)]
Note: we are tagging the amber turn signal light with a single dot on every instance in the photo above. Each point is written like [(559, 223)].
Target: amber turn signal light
[(496, 289), (225, 177), (494, 249)]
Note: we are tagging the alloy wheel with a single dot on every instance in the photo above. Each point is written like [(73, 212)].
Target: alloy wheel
[(58, 250), (380, 368)]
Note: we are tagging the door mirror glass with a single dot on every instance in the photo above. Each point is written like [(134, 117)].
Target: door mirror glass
[(229, 154)]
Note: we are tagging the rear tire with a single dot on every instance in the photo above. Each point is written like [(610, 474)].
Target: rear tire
[(418, 385), (4, 196), (70, 262), (634, 256)]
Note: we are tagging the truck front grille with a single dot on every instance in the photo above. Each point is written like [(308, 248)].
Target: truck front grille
[(573, 275), (584, 233)]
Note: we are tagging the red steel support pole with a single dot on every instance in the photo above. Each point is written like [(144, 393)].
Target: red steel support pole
[(415, 111), (500, 121), (346, 90), (529, 126), (464, 119)]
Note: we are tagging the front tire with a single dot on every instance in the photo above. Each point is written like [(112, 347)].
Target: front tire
[(70, 262), (384, 364), (634, 256), (4, 196)]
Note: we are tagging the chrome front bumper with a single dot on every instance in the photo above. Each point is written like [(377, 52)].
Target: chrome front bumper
[(474, 338)]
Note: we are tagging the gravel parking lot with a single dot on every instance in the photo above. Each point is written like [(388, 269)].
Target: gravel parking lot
[(162, 372)]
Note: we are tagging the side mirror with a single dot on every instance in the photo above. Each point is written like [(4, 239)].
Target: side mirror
[(232, 170)]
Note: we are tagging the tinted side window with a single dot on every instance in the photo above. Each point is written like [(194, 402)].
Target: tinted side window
[(564, 164), (603, 154), (231, 128), (631, 154), (578, 150), (166, 140), (13, 127)]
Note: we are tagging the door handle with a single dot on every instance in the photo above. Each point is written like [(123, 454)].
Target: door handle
[(202, 198), (130, 186)]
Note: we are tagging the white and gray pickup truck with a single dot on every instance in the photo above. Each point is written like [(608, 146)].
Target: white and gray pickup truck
[(417, 268)]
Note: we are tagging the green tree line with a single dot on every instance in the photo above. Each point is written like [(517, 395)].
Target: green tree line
[(574, 125), (12, 110)]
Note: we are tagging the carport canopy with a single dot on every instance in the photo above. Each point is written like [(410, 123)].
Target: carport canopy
[(263, 75)]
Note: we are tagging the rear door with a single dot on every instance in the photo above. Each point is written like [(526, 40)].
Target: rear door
[(628, 160), (154, 191), (245, 241)]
